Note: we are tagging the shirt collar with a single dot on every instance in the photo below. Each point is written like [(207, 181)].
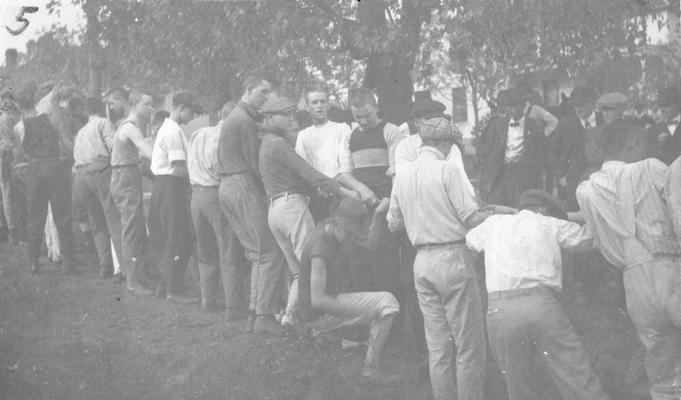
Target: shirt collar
[(591, 119), (431, 153), (613, 164), (251, 111)]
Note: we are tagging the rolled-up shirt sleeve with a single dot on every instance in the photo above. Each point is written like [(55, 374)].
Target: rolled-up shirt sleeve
[(540, 114), (175, 147), (394, 215)]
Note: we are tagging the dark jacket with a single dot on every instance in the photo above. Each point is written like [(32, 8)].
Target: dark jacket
[(493, 148), (669, 148), (569, 148)]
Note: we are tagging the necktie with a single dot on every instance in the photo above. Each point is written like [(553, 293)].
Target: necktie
[(514, 124), (587, 126)]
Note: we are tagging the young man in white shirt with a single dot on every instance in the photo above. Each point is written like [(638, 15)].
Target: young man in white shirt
[(170, 220), (523, 270), (322, 145)]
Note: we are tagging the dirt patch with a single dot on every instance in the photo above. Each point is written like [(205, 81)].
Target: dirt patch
[(79, 337)]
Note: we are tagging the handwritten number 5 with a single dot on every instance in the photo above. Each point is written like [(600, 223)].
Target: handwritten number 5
[(20, 18)]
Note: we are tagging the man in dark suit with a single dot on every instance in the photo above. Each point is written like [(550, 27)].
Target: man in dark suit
[(569, 143), (667, 134), (511, 153)]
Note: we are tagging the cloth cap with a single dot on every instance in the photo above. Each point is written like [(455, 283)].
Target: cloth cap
[(512, 96), (350, 215), (437, 128), (582, 94), (669, 96), (612, 100), (278, 105), (536, 197)]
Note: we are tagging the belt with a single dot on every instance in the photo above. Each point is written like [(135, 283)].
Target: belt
[(205, 187), (124, 166), (429, 246), (284, 195), (516, 293)]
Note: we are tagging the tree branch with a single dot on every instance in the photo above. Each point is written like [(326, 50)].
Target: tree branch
[(323, 5)]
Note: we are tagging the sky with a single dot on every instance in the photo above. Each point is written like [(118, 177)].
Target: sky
[(71, 15)]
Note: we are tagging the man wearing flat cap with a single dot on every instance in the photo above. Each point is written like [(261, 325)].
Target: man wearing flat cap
[(523, 272), (512, 150), (667, 133), (611, 107), (430, 202), (569, 142), (289, 183), (171, 233)]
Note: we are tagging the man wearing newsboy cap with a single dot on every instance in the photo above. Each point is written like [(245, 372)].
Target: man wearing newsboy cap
[(523, 272), (430, 200)]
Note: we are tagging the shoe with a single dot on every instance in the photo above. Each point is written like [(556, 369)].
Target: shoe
[(266, 324), (235, 314), (35, 266), (380, 379), (250, 323), (210, 306), (106, 272), (67, 266), (181, 299), (140, 290), (118, 277)]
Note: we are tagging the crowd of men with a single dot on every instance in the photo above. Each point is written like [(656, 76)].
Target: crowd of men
[(358, 224)]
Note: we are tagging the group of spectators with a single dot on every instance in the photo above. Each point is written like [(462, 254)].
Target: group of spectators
[(361, 224)]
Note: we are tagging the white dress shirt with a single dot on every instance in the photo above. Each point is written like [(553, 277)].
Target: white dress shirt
[(322, 147), (170, 146), (202, 156), (524, 250), (515, 140), (429, 198)]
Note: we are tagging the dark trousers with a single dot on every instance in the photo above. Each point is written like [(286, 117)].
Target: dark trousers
[(91, 187), (49, 181), (126, 192), (171, 231), (246, 209), (411, 301), (219, 251), (523, 322)]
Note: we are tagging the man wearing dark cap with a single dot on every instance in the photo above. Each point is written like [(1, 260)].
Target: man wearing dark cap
[(243, 200), (511, 151), (667, 133), (48, 179), (569, 142), (326, 298), (289, 182), (523, 272), (430, 200), (170, 220)]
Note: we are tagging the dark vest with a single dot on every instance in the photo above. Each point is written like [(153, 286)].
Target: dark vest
[(369, 153), (41, 139)]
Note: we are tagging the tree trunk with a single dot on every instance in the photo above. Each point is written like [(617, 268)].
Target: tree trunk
[(388, 72)]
